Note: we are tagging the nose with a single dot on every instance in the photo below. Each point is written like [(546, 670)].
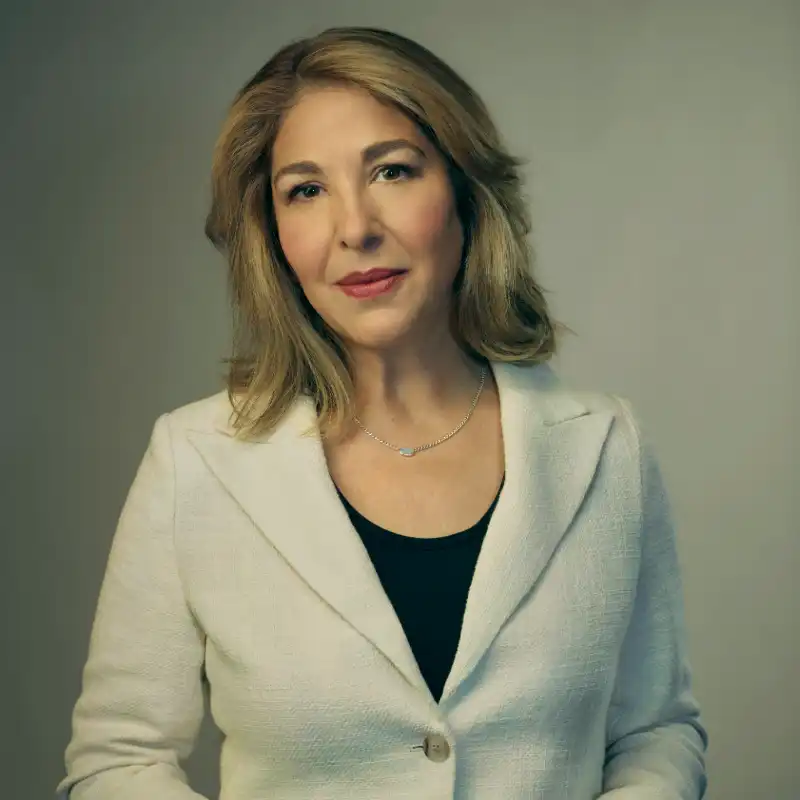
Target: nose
[(358, 225)]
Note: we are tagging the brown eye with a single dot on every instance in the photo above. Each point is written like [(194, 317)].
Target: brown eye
[(304, 191), (393, 172)]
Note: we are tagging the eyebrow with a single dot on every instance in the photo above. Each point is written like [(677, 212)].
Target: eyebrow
[(368, 154)]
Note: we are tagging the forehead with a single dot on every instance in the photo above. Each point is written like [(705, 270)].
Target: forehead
[(330, 120)]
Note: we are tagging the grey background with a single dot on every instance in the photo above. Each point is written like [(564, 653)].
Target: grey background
[(664, 146)]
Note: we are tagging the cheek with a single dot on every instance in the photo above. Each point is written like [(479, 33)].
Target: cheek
[(429, 227), (303, 245)]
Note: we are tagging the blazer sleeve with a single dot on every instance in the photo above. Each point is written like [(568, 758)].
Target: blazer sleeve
[(656, 743), (142, 702)]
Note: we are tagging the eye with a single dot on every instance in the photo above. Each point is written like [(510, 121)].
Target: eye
[(305, 191), (394, 172)]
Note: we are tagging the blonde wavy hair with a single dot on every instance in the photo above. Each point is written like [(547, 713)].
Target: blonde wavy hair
[(282, 349)]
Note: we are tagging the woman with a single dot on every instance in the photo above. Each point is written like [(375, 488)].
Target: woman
[(400, 557)]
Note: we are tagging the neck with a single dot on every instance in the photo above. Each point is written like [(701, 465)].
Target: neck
[(414, 390)]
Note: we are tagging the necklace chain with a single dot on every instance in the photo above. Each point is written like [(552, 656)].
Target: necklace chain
[(410, 451)]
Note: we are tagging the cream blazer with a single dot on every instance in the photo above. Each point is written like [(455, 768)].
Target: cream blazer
[(235, 576)]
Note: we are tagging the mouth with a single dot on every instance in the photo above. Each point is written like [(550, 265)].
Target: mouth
[(370, 276), (375, 285)]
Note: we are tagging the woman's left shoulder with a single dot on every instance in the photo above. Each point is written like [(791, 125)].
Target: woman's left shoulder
[(556, 398)]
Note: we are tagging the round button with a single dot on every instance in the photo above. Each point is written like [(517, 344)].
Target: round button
[(436, 747)]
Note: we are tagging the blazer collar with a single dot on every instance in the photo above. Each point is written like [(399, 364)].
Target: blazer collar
[(552, 447)]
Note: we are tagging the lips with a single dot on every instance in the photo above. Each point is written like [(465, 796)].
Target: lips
[(371, 276)]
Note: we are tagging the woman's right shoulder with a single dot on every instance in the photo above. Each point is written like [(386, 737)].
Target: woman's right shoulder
[(214, 417), (209, 414)]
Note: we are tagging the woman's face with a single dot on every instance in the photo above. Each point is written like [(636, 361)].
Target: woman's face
[(357, 187)]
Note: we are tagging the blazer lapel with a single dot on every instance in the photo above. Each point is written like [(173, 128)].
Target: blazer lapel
[(552, 448), (282, 483)]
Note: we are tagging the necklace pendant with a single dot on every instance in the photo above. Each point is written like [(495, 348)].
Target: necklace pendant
[(407, 451)]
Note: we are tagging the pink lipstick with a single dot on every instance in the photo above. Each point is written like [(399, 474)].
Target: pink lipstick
[(374, 282)]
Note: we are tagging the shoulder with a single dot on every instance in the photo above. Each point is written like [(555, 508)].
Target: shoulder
[(546, 392), (213, 418), (538, 395), (209, 414)]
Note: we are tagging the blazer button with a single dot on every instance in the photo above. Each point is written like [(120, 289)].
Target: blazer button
[(436, 747)]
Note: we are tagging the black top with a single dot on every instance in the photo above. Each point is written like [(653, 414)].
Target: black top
[(427, 581)]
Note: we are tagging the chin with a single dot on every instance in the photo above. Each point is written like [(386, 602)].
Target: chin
[(378, 330)]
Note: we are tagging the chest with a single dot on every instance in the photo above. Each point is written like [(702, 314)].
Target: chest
[(281, 662), (434, 493)]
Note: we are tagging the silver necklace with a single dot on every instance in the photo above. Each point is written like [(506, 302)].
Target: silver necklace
[(410, 451)]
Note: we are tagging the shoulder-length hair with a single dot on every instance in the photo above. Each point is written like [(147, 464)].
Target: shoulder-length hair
[(282, 349)]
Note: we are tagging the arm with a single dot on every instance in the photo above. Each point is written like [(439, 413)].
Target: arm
[(142, 703), (656, 743)]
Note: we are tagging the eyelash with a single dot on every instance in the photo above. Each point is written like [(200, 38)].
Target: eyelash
[(406, 169)]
